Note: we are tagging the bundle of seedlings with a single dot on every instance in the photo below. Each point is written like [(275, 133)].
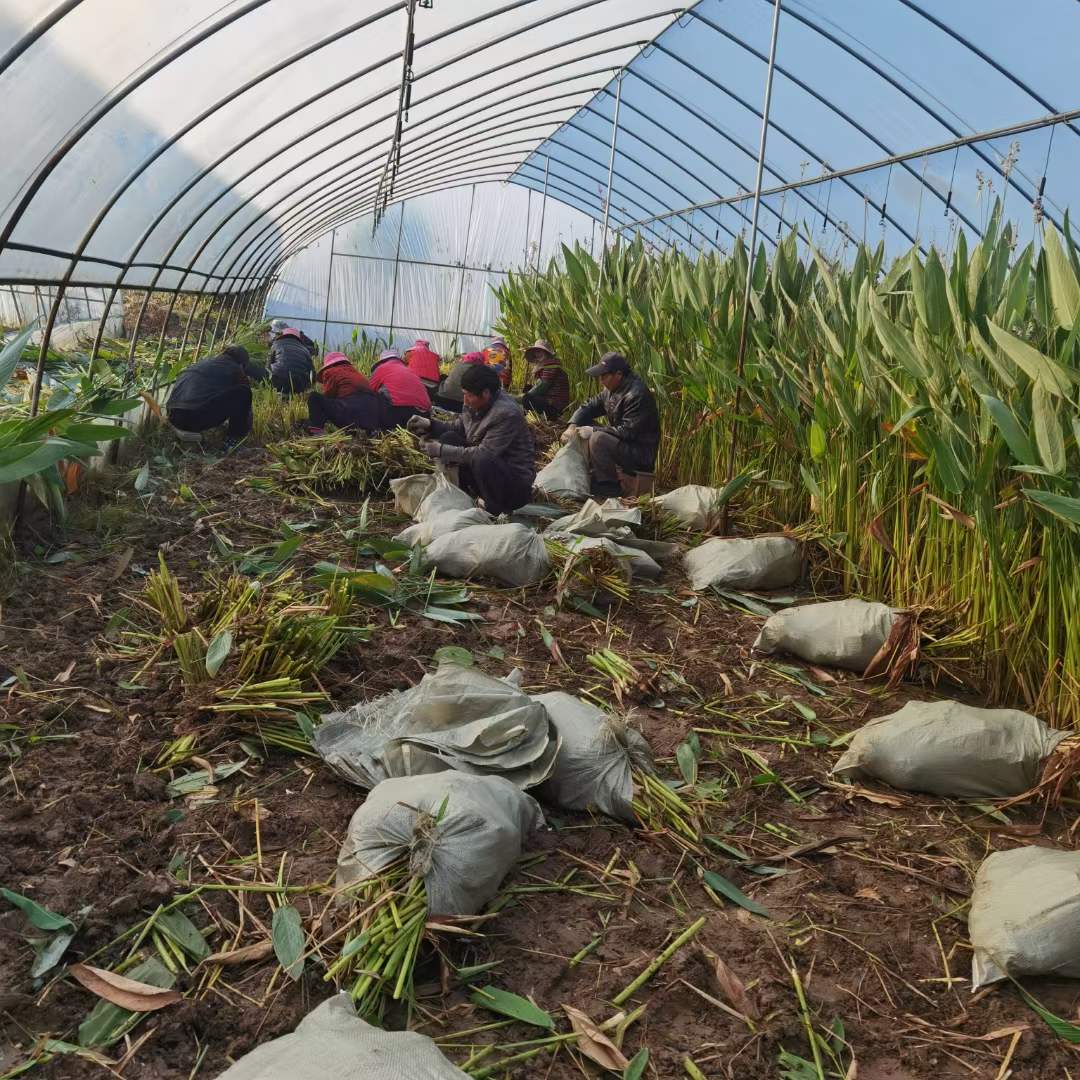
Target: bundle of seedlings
[(592, 574), (242, 647), (438, 844), (376, 963), (657, 522), (274, 417)]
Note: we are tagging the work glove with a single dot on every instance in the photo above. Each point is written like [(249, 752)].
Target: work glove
[(569, 433), (418, 425), (430, 447), (585, 433)]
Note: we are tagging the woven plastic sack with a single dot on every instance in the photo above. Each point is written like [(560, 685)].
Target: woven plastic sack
[(461, 833), (638, 564), (423, 532), (566, 475), (695, 505), (1025, 915), (608, 518), (511, 554), (594, 769), (441, 499), (948, 748), (333, 1043), (454, 718), (838, 633), (764, 562), (410, 491)]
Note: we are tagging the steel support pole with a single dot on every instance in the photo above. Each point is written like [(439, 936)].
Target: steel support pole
[(329, 282), (740, 361), (610, 174), (464, 263), (397, 266), (543, 209)]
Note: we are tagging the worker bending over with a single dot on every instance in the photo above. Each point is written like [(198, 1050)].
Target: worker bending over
[(490, 443), (631, 437), (215, 391), (291, 352), (347, 400), (424, 363), (404, 395)]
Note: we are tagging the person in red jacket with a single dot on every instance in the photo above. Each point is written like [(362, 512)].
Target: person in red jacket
[(346, 401), (425, 363), (404, 395)]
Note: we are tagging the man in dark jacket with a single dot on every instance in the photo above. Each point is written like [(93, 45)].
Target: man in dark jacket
[(291, 369), (214, 391), (631, 437), (490, 443)]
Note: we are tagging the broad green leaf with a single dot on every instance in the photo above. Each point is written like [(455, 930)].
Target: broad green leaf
[(36, 915), (449, 615), (218, 652), (687, 762), (1063, 1029), (95, 433), (897, 341), (733, 893), (1064, 288), (42, 457), (287, 933), (177, 926), (1038, 367), (517, 1008), (638, 1063), (194, 781), (50, 951), (1063, 506), (1047, 427), (13, 350), (948, 467), (818, 443), (1015, 437), (108, 1022), (453, 654)]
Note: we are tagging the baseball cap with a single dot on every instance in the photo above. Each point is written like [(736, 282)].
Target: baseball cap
[(609, 364)]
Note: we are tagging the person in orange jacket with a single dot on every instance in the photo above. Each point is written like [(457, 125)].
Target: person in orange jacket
[(346, 401)]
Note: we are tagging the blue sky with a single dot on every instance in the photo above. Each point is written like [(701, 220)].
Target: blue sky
[(688, 129)]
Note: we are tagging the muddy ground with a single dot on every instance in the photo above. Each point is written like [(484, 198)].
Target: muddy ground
[(866, 888)]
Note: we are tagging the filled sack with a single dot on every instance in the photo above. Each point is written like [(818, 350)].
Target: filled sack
[(511, 554), (455, 718), (947, 748), (333, 1043), (638, 564), (839, 633), (597, 756), (441, 499), (410, 491), (423, 532), (763, 562), (566, 475), (1025, 915), (608, 518), (461, 833), (696, 506)]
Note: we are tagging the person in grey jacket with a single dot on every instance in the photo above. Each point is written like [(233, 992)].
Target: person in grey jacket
[(630, 438), (491, 443)]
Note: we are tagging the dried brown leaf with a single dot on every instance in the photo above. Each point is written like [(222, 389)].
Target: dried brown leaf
[(127, 993), (876, 529), (593, 1043), (64, 675), (870, 894), (729, 984), (246, 954)]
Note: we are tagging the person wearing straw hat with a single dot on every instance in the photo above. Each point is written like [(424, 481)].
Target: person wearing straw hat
[(630, 438), (490, 443), (347, 400), (548, 392), (404, 395)]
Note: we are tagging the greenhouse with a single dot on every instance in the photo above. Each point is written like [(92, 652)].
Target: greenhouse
[(539, 539)]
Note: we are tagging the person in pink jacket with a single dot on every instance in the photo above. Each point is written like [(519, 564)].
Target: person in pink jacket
[(404, 395), (425, 363)]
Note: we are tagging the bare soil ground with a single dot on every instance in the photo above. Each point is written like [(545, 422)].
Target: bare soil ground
[(866, 888)]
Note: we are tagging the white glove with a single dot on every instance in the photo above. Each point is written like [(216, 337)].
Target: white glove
[(585, 432), (569, 433)]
